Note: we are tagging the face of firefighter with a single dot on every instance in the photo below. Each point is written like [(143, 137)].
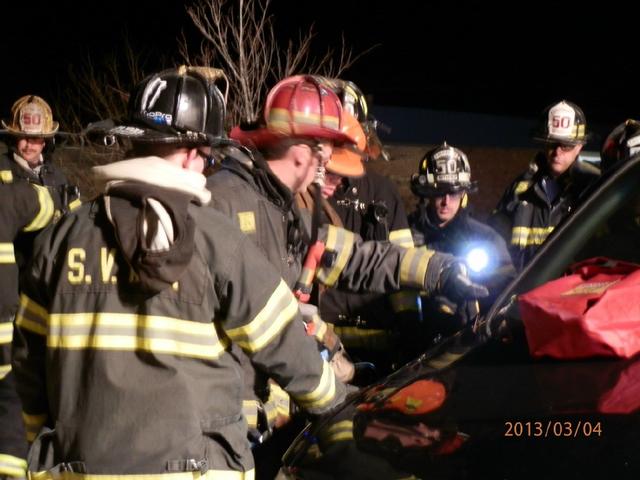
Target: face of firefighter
[(446, 207), (560, 157), (331, 182), (30, 149)]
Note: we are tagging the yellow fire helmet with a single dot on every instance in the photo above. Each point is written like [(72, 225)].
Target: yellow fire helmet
[(31, 117)]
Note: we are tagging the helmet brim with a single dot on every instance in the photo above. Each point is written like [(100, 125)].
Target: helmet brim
[(428, 191), (551, 139), (262, 137), (142, 134), (8, 129)]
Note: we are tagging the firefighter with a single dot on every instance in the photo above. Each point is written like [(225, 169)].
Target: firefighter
[(368, 204), (23, 207), (442, 222), (256, 188), (132, 301), (539, 199), (31, 130)]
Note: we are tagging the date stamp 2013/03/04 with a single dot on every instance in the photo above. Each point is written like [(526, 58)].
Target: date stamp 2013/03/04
[(553, 429)]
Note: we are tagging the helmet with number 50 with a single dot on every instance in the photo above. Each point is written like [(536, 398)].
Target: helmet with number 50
[(31, 117), (563, 122), (443, 170)]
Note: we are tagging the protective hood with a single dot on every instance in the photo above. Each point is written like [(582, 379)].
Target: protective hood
[(147, 201)]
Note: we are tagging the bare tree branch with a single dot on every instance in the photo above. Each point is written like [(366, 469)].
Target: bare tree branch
[(240, 38)]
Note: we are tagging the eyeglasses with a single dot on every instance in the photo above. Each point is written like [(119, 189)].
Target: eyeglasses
[(563, 147), (209, 158)]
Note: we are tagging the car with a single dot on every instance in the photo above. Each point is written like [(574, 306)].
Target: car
[(502, 414)]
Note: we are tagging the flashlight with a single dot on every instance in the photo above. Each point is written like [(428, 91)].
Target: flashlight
[(477, 259)]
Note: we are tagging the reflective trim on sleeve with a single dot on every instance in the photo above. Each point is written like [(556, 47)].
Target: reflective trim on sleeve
[(31, 316), (208, 475), (405, 301), (522, 187), (45, 213), (279, 310), (338, 432), (525, 236), (339, 241), (6, 332), (413, 267), (131, 332), (401, 237), (6, 176), (75, 204), (13, 467), (4, 371), (250, 412), (369, 338), (323, 394), (33, 424), (7, 254)]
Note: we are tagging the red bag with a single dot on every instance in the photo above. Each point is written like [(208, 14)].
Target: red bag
[(594, 311)]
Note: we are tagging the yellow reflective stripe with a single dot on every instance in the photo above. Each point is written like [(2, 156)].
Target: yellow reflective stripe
[(7, 254), (208, 475), (525, 236), (75, 204), (413, 267), (280, 119), (32, 316), (522, 187), (401, 237), (338, 432), (45, 214), (373, 338), (250, 412), (339, 241), (33, 424), (323, 393), (13, 466), (279, 399), (6, 332), (405, 301), (444, 360), (4, 371), (280, 309), (6, 176), (127, 331)]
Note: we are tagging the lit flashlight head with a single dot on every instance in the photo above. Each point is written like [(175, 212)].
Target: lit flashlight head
[(477, 259)]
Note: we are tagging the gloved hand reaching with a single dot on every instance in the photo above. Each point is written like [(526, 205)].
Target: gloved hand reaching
[(447, 276)]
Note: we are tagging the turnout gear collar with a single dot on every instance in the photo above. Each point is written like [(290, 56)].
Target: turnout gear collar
[(563, 122), (178, 106), (443, 170), (146, 200)]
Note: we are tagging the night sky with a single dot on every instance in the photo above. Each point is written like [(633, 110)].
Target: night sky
[(462, 56)]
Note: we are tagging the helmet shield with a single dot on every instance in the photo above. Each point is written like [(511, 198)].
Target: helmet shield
[(443, 170)]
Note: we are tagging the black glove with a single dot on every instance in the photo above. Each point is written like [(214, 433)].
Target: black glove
[(455, 284)]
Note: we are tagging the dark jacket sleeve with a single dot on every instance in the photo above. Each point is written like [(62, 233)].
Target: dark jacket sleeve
[(261, 315)]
